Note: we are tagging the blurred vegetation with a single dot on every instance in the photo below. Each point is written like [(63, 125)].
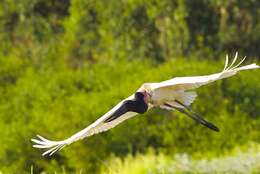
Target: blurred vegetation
[(236, 161), (65, 63)]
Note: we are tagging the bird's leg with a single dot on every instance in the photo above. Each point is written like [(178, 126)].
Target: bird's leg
[(194, 116)]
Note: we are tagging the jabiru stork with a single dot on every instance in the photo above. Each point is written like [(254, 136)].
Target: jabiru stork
[(174, 94)]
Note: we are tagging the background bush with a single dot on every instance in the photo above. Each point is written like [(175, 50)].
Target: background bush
[(65, 63)]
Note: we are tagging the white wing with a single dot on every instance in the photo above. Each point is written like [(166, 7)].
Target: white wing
[(187, 83), (98, 126)]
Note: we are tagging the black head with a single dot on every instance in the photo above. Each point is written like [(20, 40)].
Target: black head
[(139, 104), (139, 96)]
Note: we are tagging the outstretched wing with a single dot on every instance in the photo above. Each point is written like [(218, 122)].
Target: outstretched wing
[(112, 118), (187, 83)]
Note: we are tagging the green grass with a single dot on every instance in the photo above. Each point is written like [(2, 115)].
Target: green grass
[(238, 161), (244, 160)]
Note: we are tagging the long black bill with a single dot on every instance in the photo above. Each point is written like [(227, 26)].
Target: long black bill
[(194, 116), (120, 111)]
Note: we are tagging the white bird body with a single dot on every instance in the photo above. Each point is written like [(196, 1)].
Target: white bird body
[(166, 95), (175, 93)]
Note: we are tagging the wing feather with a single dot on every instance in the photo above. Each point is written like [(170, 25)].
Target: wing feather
[(95, 128), (188, 83)]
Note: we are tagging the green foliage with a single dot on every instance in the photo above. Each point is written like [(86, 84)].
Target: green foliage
[(91, 30), (62, 101), (65, 63), (246, 161)]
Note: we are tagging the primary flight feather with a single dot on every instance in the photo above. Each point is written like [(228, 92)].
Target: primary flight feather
[(173, 94)]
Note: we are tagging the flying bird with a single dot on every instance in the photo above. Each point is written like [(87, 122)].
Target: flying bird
[(174, 94)]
